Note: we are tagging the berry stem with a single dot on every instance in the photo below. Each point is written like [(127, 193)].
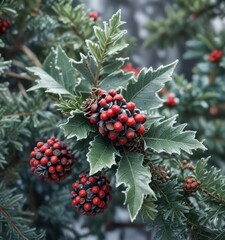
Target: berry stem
[(212, 195)]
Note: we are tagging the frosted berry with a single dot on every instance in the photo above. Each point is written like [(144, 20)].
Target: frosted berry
[(52, 160), (117, 120), (215, 56), (191, 185), (92, 197)]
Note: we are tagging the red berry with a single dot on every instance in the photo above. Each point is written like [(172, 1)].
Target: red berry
[(40, 144), (130, 106), (48, 152), (112, 92), (118, 126), (123, 140), (102, 102), (108, 98), (54, 175), (130, 121), (95, 189), (50, 142), (77, 199), (83, 180), (102, 204), (92, 179), (33, 154), (36, 163), (110, 113), (141, 129), (123, 117), (130, 134), (215, 56), (101, 194), (93, 15), (104, 116), (102, 131), (82, 193), (116, 109), (54, 159), (87, 206), (82, 175), (44, 161), (118, 97), (74, 202), (44, 148), (75, 184), (138, 118), (93, 120), (112, 135), (51, 169), (57, 145), (171, 100), (96, 201), (59, 168), (64, 161)]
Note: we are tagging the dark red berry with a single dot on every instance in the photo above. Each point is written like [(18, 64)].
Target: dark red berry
[(130, 134), (130, 106), (36, 163), (44, 161), (118, 126), (101, 194), (51, 169), (83, 180), (64, 161), (57, 145), (108, 98), (40, 144), (110, 113), (138, 118), (95, 189), (93, 120), (141, 129), (130, 122), (44, 148), (102, 102), (96, 201), (82, 193), (112, 92), (93, 15), (54, 159), (75, 184), (104, 116), (116, 109), (112, 135), (118, 97), (59, 168), (123, 140), (48, 152), (123, 117), (215, 56), (87, 206)]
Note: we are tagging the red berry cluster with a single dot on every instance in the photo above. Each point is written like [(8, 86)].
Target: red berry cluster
[(117, 119), (191, 185), (91, 194), (52, 161), (215, 56), (4, 24), (171, 100), (93, 15)]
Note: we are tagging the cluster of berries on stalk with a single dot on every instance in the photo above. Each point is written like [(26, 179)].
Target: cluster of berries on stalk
[(191, 185), (93, 15), (91, 194), (215, 56), (171, 100), (117, 119), (4, 24), (52, 161)]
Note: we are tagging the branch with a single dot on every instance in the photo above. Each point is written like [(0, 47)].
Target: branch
[(19, 75), (213, 196), (32, 56)]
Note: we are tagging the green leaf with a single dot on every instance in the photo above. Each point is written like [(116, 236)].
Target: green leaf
[(101, 154), (58, 76), (143, 92), (87, 68), (77, 125), (116, 81), (94, 49), (112, 66), (136, 179), (148, 210), (162, 136)]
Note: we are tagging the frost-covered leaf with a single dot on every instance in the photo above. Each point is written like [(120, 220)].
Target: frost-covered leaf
[(101, 154), (77, 126), (162, 136), (143, 92), (87, 67), (116, 81), (136, 179), (58, 76)]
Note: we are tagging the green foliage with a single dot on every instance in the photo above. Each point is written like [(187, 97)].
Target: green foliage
[(164, 137), (143, 92), (14, 222), (101, 154), (136, 179)]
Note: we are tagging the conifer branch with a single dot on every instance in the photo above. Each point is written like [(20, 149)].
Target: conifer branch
[(212, 195), (19, 76)]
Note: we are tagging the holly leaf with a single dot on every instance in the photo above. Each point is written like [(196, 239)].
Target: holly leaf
[(148, 210), (116, 81), (143, 92), (101, 154), (136, 179), (58, 76), (77, 126), (162, 136), (87, 67)]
